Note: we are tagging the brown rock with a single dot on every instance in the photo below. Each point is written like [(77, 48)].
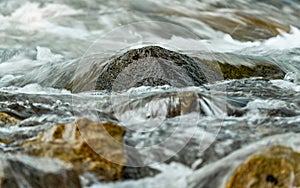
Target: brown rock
[(277, 166), (244, 26), (220, 68), (87, 145), (7, 119), (260, 70), (182, 103)]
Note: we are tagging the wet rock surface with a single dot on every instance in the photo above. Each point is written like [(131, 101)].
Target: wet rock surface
[(276, 9), (6, 119), (270, 162), (241, 24), (246, 26), (150, 66), (178, 103), (260, 70), (93, 147), (156, 66), (217, 67), (277, 166), (23, 171)]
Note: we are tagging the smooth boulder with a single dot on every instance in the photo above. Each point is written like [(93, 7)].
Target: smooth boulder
[(150, 66)]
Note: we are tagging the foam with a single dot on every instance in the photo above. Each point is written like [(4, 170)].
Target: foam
[(225, 43), (35, 89), (31, 18)]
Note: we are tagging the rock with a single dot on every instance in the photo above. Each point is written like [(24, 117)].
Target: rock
[(244, 26), (153, 66), (183, 103), (150, 66), (220, 173), (135, 168), (156, 66), (24, 171), (240, 23), (266, 71), (277, 166), (155, 106), (231, 66), (281, 12), (87, 145), (6, 119)]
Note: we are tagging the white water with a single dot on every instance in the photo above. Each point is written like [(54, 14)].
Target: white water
[(56, 27), (48, 39)]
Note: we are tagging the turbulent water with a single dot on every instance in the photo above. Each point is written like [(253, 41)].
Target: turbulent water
[(46, 45)]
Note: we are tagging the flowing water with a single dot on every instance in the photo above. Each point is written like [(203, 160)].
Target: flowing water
[(47, 45)]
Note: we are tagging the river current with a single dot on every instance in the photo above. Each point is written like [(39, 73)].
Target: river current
[(45, 45)]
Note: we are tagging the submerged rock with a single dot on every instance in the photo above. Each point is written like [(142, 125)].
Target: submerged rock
[(258, 163), (267, 71), (240, 23), (150, 66), (164, 106), (244, 26), (6, 119), (98, 149), (277, 166), (24, 171), (232, 66)]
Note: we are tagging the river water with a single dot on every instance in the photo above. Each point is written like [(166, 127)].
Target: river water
[(46, 45)]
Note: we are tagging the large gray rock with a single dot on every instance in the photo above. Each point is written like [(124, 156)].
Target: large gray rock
[(150, 66)]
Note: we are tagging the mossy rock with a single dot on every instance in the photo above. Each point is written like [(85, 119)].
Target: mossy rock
[(132, 69), (266, 71), (96, 151), (215, 70), (275, 167)]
